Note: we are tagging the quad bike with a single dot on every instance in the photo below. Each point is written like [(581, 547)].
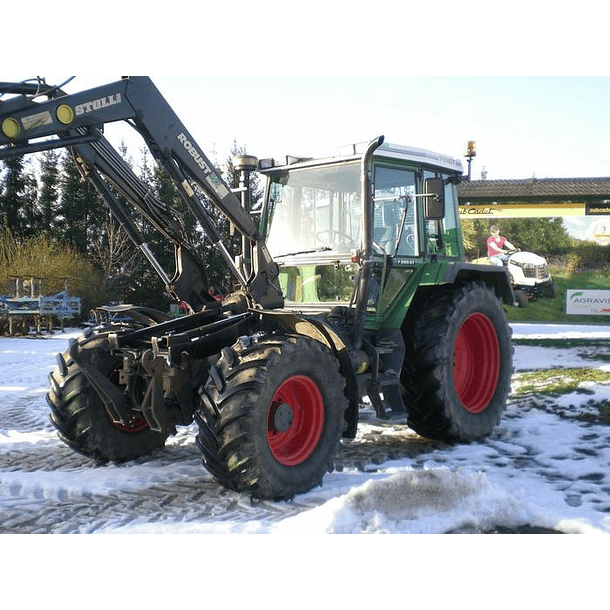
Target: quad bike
[(352, 285)]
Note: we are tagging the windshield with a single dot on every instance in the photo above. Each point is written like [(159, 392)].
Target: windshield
[(315, 210)]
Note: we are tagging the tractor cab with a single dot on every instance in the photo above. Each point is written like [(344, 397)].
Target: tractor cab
[(322, 220)]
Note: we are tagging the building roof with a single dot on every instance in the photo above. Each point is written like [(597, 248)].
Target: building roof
[(535, 190)]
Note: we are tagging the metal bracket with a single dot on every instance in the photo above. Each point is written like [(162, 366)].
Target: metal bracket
[(152, 404)]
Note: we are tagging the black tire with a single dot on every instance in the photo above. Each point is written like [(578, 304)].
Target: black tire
[(272, 416), (551, 291), (79, 415), (521, 297), (458, 367)]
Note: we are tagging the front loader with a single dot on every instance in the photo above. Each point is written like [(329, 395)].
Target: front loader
[(352, 287)]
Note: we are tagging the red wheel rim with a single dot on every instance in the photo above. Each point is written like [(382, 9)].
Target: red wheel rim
[(134, 424), (476, 363), (295, 420)]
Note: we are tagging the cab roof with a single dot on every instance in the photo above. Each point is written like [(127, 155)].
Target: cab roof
[(355, 151)]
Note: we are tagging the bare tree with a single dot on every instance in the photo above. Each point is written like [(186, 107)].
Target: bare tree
[(117, 258)]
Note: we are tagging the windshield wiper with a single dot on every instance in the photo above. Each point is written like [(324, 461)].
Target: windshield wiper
[(323, 249)]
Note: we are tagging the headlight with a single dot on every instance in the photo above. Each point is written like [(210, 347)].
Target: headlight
[(11, 128)]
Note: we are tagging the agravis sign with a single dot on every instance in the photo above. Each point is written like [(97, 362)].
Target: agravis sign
[(588, 302)]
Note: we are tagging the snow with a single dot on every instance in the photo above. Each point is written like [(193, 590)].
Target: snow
[(544, 466)]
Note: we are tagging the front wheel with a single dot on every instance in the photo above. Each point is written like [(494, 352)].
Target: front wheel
[(272, 415), (79, 415), (521, 297), (457, 370)]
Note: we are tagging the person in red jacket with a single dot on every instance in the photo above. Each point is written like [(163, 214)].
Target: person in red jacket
[(498, 247)]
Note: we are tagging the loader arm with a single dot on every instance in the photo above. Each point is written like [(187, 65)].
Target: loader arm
[(76, 122)]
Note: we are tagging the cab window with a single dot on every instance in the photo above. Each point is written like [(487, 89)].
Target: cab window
[(442, 235), (395, 212)]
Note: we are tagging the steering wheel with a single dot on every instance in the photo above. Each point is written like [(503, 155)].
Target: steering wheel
[(343, 238)]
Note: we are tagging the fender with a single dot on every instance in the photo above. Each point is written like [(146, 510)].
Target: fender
[(319, 329), (496, 277)]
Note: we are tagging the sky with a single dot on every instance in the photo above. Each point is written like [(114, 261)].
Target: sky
[(542, 126)]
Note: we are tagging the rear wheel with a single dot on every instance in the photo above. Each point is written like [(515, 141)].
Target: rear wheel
[(551, 291), (272, 415), (457, 371), (79, 415)]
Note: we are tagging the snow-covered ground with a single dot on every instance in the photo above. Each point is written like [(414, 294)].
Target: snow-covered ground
[(547, 465)]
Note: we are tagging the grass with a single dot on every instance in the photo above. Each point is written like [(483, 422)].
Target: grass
[(558, 381), (553, 310)]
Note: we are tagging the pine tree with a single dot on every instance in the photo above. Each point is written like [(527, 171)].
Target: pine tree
[(18, 205), (82, 211), (48, 199), (32, 218)]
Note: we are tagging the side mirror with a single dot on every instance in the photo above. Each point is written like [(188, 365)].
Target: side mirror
[(434, 202)]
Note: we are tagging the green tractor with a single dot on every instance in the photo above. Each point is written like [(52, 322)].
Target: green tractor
[(350, 285), (378, 304)]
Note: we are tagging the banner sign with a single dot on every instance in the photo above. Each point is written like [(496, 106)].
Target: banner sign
[(597, 209), (588, 302), (528, 210)]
